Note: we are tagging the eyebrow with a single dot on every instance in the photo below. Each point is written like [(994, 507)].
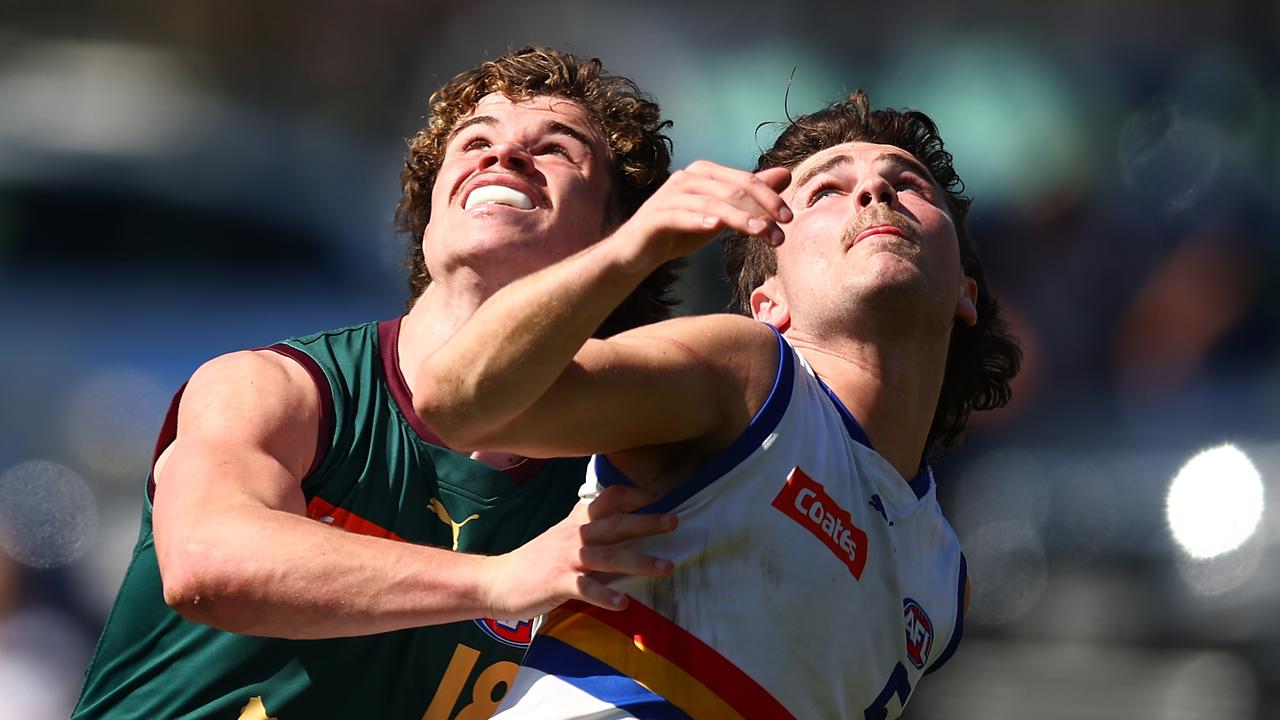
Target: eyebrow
[(552, 127), (906, 162), (897, 160), (488, 120), (559, 127)]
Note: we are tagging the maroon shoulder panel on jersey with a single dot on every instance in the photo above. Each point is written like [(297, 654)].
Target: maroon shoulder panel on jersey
[(324, 438), (388, 342), (168, 431)]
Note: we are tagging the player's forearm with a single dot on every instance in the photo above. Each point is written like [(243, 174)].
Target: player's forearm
[(522, 338), (263, 572)]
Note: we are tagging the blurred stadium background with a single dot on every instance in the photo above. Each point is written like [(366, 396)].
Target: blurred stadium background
[(178, 180)]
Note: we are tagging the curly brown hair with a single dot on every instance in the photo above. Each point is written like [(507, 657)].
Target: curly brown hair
[(639, 154), (982, 359)]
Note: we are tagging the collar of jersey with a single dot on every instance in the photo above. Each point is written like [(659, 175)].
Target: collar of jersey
[(923, 479)]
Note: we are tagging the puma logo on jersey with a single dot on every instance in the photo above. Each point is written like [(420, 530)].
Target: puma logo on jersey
[(804, 500), (438, 508)]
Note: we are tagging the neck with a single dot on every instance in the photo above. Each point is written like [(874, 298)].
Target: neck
[(891, 386), (436, 315), (434, 318)]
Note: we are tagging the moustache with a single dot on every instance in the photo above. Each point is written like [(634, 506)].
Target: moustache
[(878, 215)]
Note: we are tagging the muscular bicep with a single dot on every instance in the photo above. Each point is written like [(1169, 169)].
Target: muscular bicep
[(662, 384), (246, 435)]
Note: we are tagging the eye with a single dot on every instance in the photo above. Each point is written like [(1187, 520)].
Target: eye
[(822, 192), (476, 143), (554, 149), (911, 183)]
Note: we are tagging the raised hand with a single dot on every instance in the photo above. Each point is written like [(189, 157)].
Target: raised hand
[(698, 202)]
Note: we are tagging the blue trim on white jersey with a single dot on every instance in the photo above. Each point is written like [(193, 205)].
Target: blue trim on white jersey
[(922, 481), (599, 680), (919, 484), (764, 423), (958, 631), (850, 422)]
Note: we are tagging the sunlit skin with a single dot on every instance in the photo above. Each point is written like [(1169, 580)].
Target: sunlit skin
[(869, 277), (229, 506), (870, 225), (869, 287), (548, 148)]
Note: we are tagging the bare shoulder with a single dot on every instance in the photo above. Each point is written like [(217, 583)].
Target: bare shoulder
[(260, 383), (257, 398), (724, 340), (733, 362), (742, 352)]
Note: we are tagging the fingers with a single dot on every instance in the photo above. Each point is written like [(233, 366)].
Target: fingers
[(605, 539), (592, 587), (597, 593), (733, 199), (622, 560), (777, 178), (619, 498), (760, 188), (623, 527), (705, 210)]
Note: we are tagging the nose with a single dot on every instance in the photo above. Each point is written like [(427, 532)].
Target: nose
[(875, 189), (508, 156)]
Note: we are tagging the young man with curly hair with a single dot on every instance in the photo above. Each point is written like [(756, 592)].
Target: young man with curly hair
[(296, 558), (815, 574)]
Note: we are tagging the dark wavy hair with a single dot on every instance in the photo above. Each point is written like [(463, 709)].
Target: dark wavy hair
[(639, 154), (982, 359)]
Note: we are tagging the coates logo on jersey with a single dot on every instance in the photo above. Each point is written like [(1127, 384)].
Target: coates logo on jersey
[(804, 500), (919, 633), (516, 633)]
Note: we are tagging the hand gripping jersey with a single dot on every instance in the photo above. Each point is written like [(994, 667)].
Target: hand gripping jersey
[(378, 472), (811, 581)]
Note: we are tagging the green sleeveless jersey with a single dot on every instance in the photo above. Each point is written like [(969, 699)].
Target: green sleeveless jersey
[(378, 471)]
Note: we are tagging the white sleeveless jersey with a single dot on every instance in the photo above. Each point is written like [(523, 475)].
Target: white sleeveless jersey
[(811, 581)]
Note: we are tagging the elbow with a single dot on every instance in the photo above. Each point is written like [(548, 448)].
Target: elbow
[(196, 591), (185, 593), (451, 416), (188, 600)]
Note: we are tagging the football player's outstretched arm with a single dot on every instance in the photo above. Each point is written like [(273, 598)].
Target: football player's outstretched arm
[(523, 376), (236, 549)]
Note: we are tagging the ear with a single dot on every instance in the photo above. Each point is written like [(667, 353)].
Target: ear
[(769, 305), (967, 304)]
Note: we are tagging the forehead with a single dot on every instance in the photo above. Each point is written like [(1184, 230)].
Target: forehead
[(862, 151), (538, 111), (859, 154)]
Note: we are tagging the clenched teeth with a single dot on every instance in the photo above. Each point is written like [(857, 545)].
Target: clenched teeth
[(498, 195)]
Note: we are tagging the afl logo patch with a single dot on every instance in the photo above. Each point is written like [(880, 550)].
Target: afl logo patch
[(516, 633), (919, 633)]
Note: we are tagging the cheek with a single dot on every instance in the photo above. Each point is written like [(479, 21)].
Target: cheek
[(440, 191), (589, 205)]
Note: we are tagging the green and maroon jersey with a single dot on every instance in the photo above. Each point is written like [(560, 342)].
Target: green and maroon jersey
[(378, 471)]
